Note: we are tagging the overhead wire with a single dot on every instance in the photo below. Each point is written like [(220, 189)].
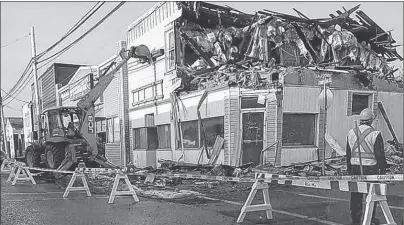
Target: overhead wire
[(13, 96), (18, 110), (94, 9), (56, 55), (18, 39), (74, 28), (16, 86), (25, 82), (78, 24)]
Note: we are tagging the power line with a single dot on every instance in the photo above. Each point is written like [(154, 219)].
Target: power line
[(18, 39), (16, 86), (74, 28), (56, 55), (13, 97), (22, 86), (78, 24), (18, 110)]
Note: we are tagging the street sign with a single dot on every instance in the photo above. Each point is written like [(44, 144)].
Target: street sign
[(326, 80)]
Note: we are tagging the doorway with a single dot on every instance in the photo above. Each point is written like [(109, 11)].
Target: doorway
[(253, 136)]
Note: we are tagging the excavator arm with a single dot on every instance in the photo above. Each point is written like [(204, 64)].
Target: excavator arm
[(86, 104)]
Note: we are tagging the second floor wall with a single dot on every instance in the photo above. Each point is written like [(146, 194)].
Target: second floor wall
[(155, 29)]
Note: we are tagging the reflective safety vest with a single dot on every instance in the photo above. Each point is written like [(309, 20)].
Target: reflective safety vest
[(367, 139)]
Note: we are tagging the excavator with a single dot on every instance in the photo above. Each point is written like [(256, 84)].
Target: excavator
[(68, 133)]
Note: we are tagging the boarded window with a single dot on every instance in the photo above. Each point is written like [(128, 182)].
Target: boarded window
[(213, 127), (251, 102), (164, 136), (298, 129), (359, 103), (190, 134)]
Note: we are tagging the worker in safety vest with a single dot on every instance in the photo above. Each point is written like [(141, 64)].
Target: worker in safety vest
[(372, 157)]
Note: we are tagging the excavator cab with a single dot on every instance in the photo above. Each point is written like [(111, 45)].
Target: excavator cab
[(61, 123)]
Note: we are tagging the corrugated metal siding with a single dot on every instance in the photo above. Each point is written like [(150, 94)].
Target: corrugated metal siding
[(111, 98), (301, 99), (48, 89), (113, 153)]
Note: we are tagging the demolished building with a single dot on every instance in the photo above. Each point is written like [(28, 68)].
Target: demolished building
[(253, 80)]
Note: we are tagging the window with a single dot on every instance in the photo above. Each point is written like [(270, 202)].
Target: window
[(153, 19), (152, 139), (158, 16), (110, 130), (251, 102), (145, 138), (135, 97), (298, 129), (164, 136), (165, 10), (113, 130), (117, 130), (139, 138), (148, 93), (103, 126), (159, 89), (213, 127), (190, 134), (170, 45), (360, 102), (141, 95)]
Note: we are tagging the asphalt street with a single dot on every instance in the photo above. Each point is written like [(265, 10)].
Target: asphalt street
[(43, 204)]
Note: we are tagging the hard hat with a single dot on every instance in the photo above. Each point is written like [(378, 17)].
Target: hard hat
[(366, 114)]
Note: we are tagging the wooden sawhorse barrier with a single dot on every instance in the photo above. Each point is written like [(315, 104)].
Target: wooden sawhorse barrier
[(16, 176), (376, 193), (115, 192), (70, 186), (7, 163)]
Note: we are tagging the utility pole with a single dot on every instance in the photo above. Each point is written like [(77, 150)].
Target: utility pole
[(3, 127), (34, 68)]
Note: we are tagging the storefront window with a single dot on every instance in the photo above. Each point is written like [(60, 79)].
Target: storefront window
[(190, 134), (213, 127)]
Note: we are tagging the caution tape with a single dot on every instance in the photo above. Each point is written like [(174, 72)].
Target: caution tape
[(392, 177), (262, 176), (259, 175)]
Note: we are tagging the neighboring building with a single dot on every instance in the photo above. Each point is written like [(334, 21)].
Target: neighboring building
[(265, 105), (15, 136), (54, 78), (107, 107), (27, 116)]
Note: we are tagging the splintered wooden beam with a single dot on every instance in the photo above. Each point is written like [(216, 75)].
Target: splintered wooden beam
[(373, 24), (197, 49), (380, 35), (306, 43)]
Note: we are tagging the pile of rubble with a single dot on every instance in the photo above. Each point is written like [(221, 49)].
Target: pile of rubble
[(394, 157), (225, 46), (333, 167)]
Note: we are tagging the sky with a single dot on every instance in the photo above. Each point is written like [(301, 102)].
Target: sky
[(53, 19)]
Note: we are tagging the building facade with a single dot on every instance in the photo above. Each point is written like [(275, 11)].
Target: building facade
[(14, 136)]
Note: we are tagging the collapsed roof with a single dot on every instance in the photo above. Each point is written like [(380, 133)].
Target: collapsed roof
[(219, 41)]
